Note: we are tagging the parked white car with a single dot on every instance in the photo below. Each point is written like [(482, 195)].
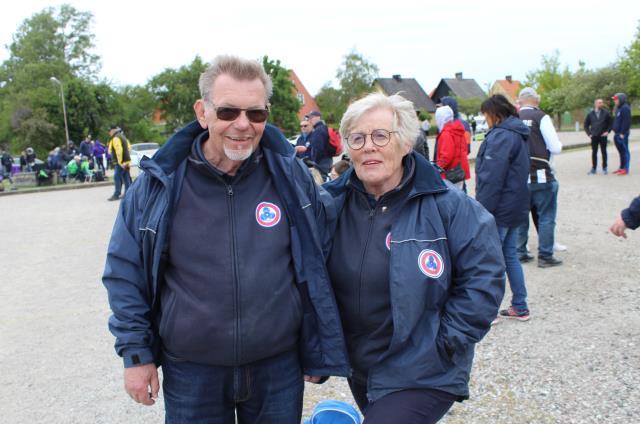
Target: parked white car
[(481, 124), (139, 150)]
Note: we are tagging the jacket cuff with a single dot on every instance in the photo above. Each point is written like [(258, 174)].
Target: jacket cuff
[(137, 357), (629, 220)]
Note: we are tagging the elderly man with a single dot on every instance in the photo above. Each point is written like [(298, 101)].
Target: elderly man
[(319, 143), (597, 125), (543, 186), (216, 270), (302, 143)]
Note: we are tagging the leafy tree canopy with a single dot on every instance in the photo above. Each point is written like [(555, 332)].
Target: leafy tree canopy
[(284, 103)]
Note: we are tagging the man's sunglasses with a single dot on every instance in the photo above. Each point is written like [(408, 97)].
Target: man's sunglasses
[(226, 113)]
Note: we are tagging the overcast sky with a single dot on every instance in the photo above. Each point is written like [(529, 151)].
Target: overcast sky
[(485, 40)]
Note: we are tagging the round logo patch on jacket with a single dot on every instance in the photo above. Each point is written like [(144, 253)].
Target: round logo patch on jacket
[(430, 263), (268, 214), (387, 241)]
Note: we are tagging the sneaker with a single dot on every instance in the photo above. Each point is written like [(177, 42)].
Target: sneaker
[(592, 172), (559, 247), (604, 171), (548, 261), (513, 313), (114, 197), (623, 172), (617, 172), (525, 258)]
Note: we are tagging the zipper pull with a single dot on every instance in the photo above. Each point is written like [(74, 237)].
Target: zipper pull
[(230, 190)]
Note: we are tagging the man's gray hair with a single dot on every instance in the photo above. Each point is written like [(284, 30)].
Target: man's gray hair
[(236, 67), (405, 120), (529, 93)]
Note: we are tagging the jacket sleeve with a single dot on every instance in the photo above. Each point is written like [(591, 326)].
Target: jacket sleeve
[(631, 215), (587, 124), (446, 151), (127, 288), (318, 140), (492, 174), (625, 120), (478, 274), (608, 122)]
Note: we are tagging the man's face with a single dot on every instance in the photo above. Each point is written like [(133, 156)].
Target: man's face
[(616, 101), (306, 127), (598, 104), (314, 120), (235, 139)]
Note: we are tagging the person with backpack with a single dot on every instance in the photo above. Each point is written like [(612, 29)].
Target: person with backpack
[(119, 149), (321, 151)]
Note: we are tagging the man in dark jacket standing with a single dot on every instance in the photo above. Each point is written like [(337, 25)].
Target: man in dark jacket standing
[(205, 272), (319, 143), (597, 125), (621, 128)]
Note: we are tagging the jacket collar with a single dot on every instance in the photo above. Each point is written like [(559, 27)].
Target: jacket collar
[(178, 148), (426, 179)]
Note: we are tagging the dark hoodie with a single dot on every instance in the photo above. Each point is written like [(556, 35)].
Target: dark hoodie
[(502, 170), (622, 123)]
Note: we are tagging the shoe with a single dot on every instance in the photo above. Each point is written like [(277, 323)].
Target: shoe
[(525, 258), (559, 247), (513, 313), (623, 172), (617, 172), (548, 261), (592, 172), (604, 171), (114, 197)]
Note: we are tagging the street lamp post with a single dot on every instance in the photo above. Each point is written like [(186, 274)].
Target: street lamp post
[(64, 109)]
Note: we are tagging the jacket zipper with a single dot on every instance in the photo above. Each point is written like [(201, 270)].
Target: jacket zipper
[(236, 282), (372, 213)]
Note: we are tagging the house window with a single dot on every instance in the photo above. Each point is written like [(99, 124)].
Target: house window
[(301, 98)]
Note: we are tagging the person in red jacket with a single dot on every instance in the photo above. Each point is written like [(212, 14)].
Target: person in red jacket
[(451, 147)]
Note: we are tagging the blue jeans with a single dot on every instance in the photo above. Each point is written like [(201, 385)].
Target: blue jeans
[(267, 391), (508, 237), (622, 144), (544, 197), (120, 174)]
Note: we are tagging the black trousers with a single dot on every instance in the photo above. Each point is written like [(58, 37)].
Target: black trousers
[(595, 142), (411, 406)]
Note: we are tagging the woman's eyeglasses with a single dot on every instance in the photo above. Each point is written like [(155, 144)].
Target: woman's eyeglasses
[(226, 113), (380, 138)]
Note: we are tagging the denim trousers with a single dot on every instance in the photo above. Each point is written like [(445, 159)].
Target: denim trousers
[(119, 175), (268, 391), (622, 144), (508, 237), (544, 198)]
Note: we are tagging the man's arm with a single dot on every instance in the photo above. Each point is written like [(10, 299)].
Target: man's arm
[(587, 124), (551, 140), (608, 123)]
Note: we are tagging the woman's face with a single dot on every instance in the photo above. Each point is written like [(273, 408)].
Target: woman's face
[(379, 168), (489, 118)]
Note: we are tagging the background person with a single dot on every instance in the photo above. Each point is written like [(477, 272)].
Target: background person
[(621, 127), (597, 125), (502, 170), (451, 148), (119, 148), (416, 265)]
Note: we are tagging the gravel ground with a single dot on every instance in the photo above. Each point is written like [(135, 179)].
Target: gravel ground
[(576, 361)]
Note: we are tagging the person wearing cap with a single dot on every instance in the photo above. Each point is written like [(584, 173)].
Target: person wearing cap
[(119, 149), (543, 186), (319, 143), (621, 128), (216, 266), (597, 125)]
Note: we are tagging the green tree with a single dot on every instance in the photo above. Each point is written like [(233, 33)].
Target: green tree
[(630, 67), (284, 103), (469, 106), (329, 101), (548, 81), (175, 91)]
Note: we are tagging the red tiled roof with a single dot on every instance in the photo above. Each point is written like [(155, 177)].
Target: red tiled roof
[(510, 87)]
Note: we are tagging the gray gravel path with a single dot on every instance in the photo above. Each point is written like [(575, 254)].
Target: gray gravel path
[(576, 361)]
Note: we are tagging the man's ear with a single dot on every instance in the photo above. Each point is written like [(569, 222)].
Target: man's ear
[(198, 107)]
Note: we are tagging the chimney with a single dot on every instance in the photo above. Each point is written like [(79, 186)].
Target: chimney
[(508, 78), (459, 75), (397, 77)]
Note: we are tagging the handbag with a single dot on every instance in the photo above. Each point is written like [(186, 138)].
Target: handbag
[(455, 174)]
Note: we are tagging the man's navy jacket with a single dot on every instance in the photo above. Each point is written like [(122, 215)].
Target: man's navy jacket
[(438, 315), (133, 270)]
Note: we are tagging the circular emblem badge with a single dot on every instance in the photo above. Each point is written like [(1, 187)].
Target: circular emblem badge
[(387, 241), (430, 263), (267, 214)]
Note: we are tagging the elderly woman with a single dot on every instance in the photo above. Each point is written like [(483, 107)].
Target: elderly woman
[(451, 147), (416, 266)]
